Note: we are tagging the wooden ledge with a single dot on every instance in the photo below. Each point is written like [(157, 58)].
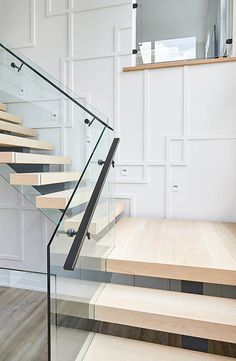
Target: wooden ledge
[(174, 64)]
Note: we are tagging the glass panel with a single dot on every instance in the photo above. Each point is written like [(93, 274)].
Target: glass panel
[(72, 292), (37, 82), (56, 169), (60, 118), (179, 30)]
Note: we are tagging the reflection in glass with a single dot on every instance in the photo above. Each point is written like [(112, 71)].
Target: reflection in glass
[(168, 30)]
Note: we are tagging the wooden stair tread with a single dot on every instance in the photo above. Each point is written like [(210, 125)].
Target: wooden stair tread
[(3, 107), (101, 218), (181, 313), (8, 117), (107, 348), (166, 311), (13, 141), (59, 200), (175, 249), (17, 129), (44, 178), (31, 158)]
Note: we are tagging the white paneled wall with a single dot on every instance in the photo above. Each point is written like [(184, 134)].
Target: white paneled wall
[(177, 126)]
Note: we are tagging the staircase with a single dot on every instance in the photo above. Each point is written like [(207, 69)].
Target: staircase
[(97, 254)]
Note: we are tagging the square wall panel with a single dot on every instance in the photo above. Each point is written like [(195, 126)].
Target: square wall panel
[(125, 40), (95, 77), (150, 197), (131, 117), (19, 14), (11, 245), (165, 109), (207, 185), (176, 151), (93, 33), (212, 107)]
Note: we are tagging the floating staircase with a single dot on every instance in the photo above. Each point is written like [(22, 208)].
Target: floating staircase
[(186, 251)]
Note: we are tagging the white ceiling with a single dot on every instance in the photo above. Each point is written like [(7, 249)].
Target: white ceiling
[(168, 19)]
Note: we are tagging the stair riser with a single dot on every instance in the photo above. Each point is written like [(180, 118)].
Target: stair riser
[(191, 343), (29, 168), (50, 188), (15, 149)]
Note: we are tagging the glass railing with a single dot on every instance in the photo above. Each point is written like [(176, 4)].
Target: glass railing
[(65, 171), (76, 256), (174, 30), (69, 125)]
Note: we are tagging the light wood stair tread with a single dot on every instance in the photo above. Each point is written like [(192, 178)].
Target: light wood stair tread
[(181, 313), (3, 107), (101, 219), (107, 348), (166, 311), (38, 179), (8, 117), (17, 129), (31, 158), (59, 200), (174, 249), (13, 141)]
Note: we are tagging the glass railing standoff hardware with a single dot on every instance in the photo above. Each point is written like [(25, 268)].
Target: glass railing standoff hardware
[(101, 162), (13, 65), (87, 121), (71, 232)]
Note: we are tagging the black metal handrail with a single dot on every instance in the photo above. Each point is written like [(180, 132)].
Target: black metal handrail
[(23, 62), (88, 215)]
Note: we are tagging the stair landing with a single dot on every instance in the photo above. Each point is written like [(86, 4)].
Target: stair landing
[(175, 249)]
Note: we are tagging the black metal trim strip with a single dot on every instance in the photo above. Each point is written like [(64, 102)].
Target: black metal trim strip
[(55, 86), (88, 215)]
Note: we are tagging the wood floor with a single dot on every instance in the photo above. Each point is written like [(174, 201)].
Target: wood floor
[(23, 332)]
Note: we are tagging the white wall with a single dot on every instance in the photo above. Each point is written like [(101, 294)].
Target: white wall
[(177, 126)]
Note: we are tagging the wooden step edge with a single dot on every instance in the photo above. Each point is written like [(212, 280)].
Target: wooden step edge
[(17, 129), (14, 141), (39, 179), (59, 200), (200, 316), (31, 158), (171, 271), (99, 222), (8, 117), (107, 348), (3, 107)]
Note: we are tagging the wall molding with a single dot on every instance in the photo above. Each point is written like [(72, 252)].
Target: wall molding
[(32, 23), (71, 9)]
